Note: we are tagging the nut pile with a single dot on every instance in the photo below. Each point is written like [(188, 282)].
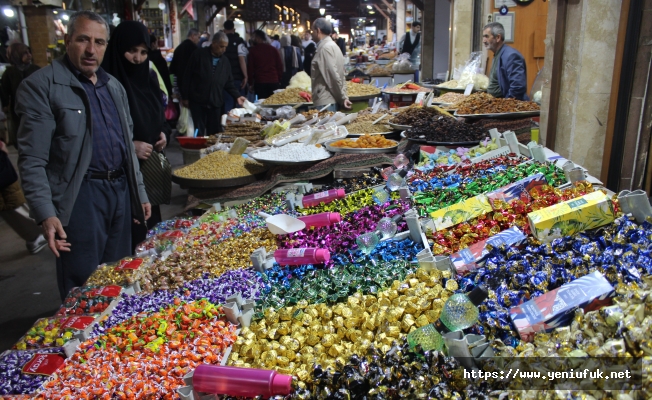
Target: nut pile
[(380, 70), (359, 89), (365, 142), (288, 96), (415, 114), (220, 165), (444, 129), (363, 124), (449, 98), (483, 103)]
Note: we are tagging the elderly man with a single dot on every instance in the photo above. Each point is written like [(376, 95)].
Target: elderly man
[(508, 76), (76, 155), (327, 68), (208, 75)]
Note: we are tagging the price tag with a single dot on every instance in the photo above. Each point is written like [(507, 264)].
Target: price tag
[(129, 264), (429, 99), (420, 97), (468, 90), (44, 364), (376, 106)]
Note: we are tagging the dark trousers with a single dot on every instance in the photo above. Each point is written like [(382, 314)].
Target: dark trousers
[(264, 90), (229, 102), (139, 231), (99, 231), (207, 119)]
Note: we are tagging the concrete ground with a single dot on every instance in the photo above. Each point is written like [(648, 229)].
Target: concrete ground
[(28, 285)]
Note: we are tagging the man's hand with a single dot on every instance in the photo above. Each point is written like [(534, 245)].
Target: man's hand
[(52, 227), (244, 83), (143, 149), (161, 143), (185, 103), (241, 100), (347, 104), (147, 210)]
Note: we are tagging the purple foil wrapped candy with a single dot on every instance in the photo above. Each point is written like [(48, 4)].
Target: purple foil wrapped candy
[(13, 380)]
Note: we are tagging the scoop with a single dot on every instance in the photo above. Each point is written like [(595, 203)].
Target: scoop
[(282, 224)]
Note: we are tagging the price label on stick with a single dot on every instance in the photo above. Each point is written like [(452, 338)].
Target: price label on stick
[(420, 98), (376, 106), (468, 90)]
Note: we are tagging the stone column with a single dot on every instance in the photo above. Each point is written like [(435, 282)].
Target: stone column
[(40, 31), (588, 62), (462, 27), (428, 37), (400, 20)]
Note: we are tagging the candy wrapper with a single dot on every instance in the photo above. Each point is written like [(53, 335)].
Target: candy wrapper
[(570, 217), (121, 273), (54, 332), (89, 300), (467, 260), (522, 190), (556, 308), (24, 371)]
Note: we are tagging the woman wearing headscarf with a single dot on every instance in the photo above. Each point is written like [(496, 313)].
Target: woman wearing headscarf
[(126, 59), (21, 67), (290, 58)]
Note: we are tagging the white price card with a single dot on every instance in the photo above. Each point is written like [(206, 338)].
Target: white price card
[(420, 97), (506, 3), (468, 90)]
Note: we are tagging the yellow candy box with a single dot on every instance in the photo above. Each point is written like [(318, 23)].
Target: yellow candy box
[(572, 216), (461, 212)]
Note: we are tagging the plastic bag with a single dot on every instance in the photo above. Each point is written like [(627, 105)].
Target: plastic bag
[(286, 112), (403, 65), (537, 87), (468, 72), (300, 80), (185, 123)]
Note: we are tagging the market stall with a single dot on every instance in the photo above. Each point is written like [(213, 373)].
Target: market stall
[(378, 254)]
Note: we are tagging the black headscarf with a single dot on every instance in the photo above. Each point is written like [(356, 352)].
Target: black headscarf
[(142, 88)]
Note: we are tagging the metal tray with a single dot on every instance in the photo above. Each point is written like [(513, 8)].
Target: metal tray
[(457, 90), (398, 127), (512, 115), (367, 97), (358, 151), (470, 143), (253, 154), (282, 105), (355, 135), (213, 183)]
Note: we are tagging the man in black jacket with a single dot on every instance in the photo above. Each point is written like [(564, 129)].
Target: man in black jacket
[(207, 75), (236, 52), (182, 55)]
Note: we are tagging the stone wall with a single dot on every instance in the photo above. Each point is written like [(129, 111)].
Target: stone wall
[(40, 32)]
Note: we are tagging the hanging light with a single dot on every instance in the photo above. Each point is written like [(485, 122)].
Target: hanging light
[(322, 11), (8, 12)]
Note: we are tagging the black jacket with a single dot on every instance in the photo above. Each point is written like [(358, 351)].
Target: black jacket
[(232, 53), (202, 86), (156, 57), (180, 60)]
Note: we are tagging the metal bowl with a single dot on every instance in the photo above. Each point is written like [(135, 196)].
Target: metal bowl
[(358, 151)]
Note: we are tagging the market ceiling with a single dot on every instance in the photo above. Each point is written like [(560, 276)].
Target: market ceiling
[(344, 9)]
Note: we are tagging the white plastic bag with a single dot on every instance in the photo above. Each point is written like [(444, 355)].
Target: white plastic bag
[(471, 72), (185, 123), (403, 65)]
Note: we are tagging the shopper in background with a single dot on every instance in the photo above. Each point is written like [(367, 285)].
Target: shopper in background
[(4, 45), (327, 68), (291, 60), (411, 43), (296, 42), (508, 76), (13, 207), (203, 39), (307, 40), (276, 43), (159, 62), (21, 67), (340, 42), (264, 67), (308, 55), (237, 53), (182, 55), (126, 60), (76, 157), (207, 77)]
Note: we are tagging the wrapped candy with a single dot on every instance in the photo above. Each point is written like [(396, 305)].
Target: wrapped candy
[(53, 332), (24, 371), (121, 273), (89, 300)]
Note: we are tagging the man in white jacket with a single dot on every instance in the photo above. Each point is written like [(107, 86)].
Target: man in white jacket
[(327, 68)]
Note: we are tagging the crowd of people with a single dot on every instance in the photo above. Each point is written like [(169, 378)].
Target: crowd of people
[(91, 128)]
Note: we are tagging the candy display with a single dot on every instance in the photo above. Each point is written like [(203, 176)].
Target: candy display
[(220, 165), (365, 142), (409, 278)]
